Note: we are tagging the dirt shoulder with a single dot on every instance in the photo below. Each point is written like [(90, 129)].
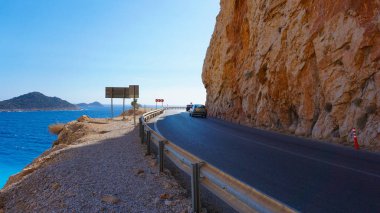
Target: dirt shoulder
[(94, 166)]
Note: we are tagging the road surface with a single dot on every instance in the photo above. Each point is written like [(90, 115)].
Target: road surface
[(306, 175)]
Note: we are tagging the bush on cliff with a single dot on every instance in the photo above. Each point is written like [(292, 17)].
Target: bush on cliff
[(56, 128)]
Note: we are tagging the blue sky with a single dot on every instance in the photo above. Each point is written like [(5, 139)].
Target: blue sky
[(72, 49)]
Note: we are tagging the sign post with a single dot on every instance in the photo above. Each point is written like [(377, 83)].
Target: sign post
[(112, 103), (134, 93), (118, 92), (123, 113), (162, 102)]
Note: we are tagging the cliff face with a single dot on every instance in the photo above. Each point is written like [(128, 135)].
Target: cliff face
[(308, 67)]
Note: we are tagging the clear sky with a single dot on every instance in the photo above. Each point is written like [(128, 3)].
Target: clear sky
[(72, 49)]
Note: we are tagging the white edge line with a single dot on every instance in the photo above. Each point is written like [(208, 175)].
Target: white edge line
[(281, 150), (304, 156), (155, 124)]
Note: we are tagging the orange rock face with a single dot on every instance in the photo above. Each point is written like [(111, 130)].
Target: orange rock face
[(308, 67)]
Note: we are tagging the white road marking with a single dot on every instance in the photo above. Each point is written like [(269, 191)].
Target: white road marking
[(285, 151), (155, 123)]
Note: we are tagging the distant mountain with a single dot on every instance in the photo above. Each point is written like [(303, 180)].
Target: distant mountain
[(35, 101), (93, 104)]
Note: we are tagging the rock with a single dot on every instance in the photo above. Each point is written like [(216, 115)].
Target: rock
[(25, 172), (2, 203), (110, 199), (167, 172), (165, 196), (167, 185), (140, 171), (311, 68), (153, 163), (72, 132), (55, 186), (84, 118), (185, 211), (169, 203), (156, 201)]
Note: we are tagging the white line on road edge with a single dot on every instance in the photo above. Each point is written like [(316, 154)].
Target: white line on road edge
[(300, 155), (281, 150), (155, 123)]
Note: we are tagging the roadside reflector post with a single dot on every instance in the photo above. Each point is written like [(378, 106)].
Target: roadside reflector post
[(161, 146), (148, 138), (195, 188), (356, 144)]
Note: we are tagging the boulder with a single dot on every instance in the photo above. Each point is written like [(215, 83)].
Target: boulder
[(84, 118)]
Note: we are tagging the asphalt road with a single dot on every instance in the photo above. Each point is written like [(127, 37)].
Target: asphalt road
[(306, 175)]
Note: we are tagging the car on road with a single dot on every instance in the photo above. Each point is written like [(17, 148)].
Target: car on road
[(198, 110), (188, 107)]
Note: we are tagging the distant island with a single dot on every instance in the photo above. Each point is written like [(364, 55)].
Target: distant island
[(36, 101), (93, 104)]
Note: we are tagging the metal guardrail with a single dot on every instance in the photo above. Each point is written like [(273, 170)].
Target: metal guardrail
[(178, 107), (238, 195)]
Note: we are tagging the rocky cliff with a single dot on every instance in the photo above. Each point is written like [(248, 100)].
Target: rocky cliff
[(307, 67)]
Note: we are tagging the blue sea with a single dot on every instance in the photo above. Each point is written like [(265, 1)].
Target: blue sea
[(25, 135)]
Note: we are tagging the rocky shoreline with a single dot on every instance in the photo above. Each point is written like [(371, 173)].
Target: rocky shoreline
[(96, 165)]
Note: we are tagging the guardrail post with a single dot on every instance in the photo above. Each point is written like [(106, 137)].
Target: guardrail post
[(161, 145), (148, 138), (141, 127), (143, 136), (195, 188)]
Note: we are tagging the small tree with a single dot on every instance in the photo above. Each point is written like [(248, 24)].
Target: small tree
[(135, 104)]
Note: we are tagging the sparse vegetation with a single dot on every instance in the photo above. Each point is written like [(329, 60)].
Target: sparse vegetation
[(135, 104), (335, 133), (339, 62), (362, 121), (56, 128), (328, 107), (358, 102), (371, 109), (130, 112), (248, 75)]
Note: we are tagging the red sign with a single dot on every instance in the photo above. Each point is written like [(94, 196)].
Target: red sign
[(159, 100)]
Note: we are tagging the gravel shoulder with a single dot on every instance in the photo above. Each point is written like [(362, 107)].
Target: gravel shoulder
[(94, 166)]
